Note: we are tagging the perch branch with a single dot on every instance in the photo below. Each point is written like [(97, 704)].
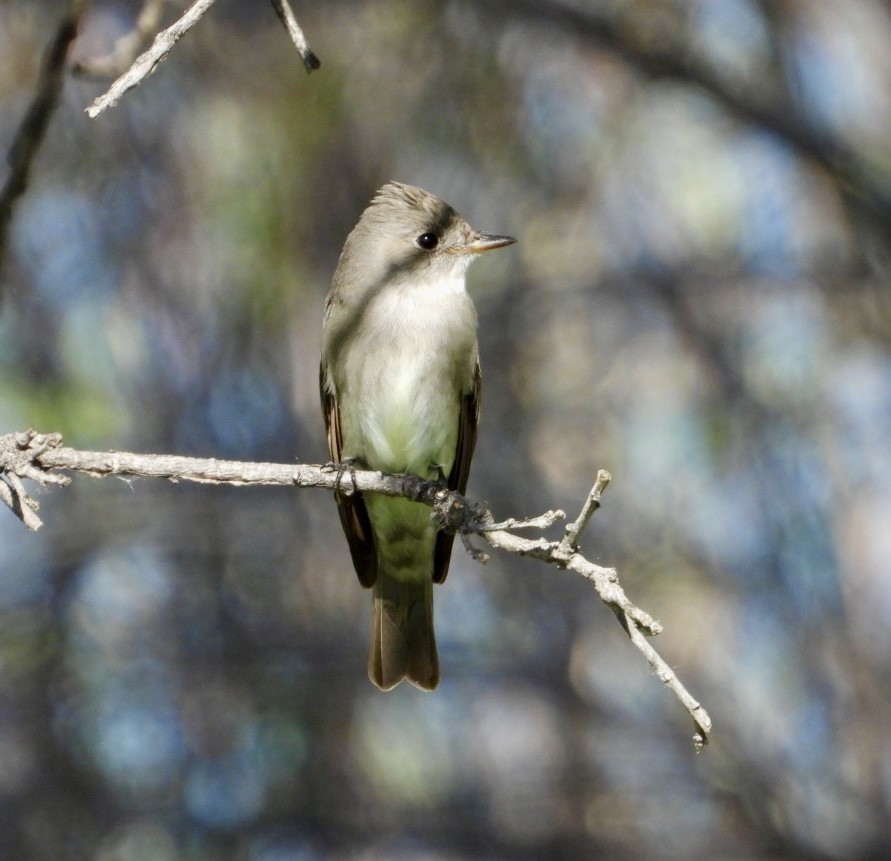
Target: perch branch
[(36, 456)]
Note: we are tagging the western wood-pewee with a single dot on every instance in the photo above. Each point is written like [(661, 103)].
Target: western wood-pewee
[(400, 384)]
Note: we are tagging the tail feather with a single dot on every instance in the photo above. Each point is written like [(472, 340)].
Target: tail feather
[(403, 645)]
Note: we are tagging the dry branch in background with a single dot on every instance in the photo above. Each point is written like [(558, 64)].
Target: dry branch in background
[(127, 47), (148, 61), (30, 455), (32, 129)]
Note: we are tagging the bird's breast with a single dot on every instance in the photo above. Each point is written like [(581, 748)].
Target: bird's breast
[(409, 364)]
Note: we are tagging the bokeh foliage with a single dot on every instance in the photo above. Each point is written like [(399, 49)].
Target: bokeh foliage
[(699, 302)]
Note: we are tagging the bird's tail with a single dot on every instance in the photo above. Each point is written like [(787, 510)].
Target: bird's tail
[(403, 645)]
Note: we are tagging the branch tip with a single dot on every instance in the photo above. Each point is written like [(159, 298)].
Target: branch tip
[(592, 503), (289, 20), (475, 553)]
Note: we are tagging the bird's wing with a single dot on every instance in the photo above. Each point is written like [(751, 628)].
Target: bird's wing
[(352, 510), (467, 424)]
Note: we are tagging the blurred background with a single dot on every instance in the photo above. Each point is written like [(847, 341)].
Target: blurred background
[(699, 302)]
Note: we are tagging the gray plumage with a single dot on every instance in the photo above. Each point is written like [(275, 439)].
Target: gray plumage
[(400, 393)]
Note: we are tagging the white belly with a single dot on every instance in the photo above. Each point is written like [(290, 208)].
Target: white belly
[(401, 407), (411, 417)]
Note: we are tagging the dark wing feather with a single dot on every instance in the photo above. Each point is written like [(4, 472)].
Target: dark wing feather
[(353, 513), (467, 424)]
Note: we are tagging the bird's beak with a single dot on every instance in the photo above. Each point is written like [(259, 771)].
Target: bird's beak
[(480, 242)]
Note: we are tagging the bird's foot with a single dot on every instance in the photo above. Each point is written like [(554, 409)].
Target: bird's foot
[(347, 465)]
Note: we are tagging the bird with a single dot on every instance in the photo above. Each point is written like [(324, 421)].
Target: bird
[(400, 389)]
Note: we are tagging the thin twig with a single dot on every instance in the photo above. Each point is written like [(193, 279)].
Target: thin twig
[(35, 456), (126, 47), (636, 622), (32, 129), (147, 62), (289, 20), (701, 719), (605, 580), (592, 503), (22, 506), (543, 521)]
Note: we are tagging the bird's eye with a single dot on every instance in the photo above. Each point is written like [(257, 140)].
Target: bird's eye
[(428, 241)]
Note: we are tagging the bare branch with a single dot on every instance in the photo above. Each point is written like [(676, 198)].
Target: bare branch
[(18, 460), (32, 455), (543, 521), (22, 505), (701, 719), (127, 47), (636, 622), (592, 503), (30, 133), (289, 20), (147, 62)]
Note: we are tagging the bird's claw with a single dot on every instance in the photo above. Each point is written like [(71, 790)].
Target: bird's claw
[(348, 465)]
